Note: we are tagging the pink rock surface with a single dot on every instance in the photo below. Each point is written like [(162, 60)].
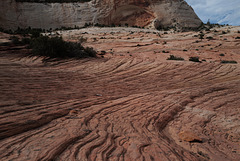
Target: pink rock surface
[(130, 105)]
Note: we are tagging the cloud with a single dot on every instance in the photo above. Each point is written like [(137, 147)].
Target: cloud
[(218, 11)]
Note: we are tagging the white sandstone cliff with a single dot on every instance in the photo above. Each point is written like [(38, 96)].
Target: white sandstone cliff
[(132, 12)]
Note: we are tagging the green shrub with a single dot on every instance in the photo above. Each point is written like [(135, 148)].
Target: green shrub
[(194, 59), (209, 38), (15, 40), (228, 62), (34, 32), (55, 47), (221, 54), (172, 57), (224, 32), (165, 51), (82, 39), (90, 52), (201, 36), (25, 41)]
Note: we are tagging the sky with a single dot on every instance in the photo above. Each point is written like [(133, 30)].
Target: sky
[(217, 11)]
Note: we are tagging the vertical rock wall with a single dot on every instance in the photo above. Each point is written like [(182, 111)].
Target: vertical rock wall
[(133, 12)]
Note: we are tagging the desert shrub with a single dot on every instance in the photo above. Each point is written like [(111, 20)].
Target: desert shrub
[(228, 62), (172, 57), (194, 59), (224, 32), (165, 51), (33, 32), (55, 47), (201, 36), (221, 54), (90, 52), (185, 50), (15, 40), (207, 29), (209, 38), (6, 31), (237, 37), (82, 39), (25, 41)]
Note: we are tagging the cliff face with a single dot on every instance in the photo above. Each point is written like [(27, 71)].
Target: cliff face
[(132, 12)]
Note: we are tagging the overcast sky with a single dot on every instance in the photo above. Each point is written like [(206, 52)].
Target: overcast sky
[(218, 11)]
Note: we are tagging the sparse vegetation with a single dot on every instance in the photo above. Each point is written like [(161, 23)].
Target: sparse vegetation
[(55, 47), (222, 54), (224, 32), (172, 57), (194, 59), (15, 40), (82, 39), (228, 62), (201, 36), (209, 38), (208, 26), (165, 51), (33, 32)]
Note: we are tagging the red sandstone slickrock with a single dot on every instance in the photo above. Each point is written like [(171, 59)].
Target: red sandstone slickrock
[(128, 104)]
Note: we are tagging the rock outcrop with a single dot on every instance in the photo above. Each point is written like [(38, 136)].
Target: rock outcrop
[(131, 105), (154, 13)]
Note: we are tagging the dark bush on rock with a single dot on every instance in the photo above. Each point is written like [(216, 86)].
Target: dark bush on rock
[(194, 59), (56, 47), (172, 57), (228, 62)]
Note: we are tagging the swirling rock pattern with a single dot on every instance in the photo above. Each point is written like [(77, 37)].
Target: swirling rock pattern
[(121, 107), (134, 13)]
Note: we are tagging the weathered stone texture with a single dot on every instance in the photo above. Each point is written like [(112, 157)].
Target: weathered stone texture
[(142, 13)]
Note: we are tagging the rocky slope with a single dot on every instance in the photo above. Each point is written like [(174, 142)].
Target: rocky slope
[(133, 104), (154, 13)]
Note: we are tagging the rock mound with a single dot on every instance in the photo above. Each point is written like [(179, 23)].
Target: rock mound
[(154, 13)]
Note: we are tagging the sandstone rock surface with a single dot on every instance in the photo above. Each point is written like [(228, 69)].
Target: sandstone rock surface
[(153, 13), (189, 136), (130, 105)]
